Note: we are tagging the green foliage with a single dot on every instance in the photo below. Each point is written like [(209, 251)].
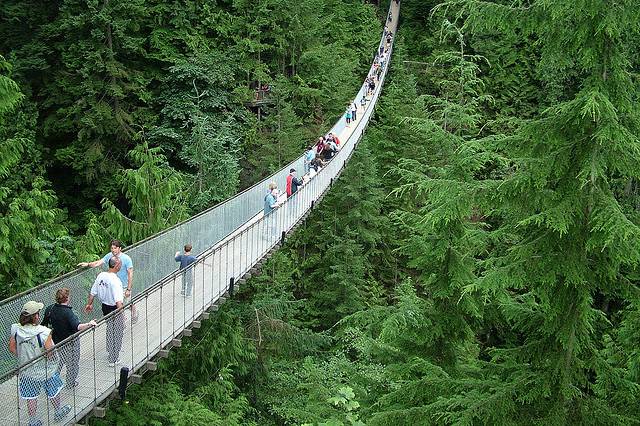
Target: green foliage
[(343, 250), (300, 391), (200, 120), (154, 194), (164, 403), (474, 264), (345, 399), (561, 237), (10, 94), (30, 222)]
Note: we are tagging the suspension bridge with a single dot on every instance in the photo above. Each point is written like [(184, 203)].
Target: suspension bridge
[(234, 239)]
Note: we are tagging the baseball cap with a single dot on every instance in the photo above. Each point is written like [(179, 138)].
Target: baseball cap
[(32, 307)]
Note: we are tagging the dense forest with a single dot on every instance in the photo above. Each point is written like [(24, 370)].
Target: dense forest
[(120, 119), (476, 262)]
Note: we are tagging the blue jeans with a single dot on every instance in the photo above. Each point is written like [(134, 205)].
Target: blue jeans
[(187, 281)]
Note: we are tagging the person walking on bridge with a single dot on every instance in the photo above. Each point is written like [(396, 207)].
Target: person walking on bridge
[(64, 322), (28, 341), (125, 274), (271, 199), (108, 288), (186, 260), (335, 139)]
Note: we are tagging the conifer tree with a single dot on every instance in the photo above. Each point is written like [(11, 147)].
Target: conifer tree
[(30, 221), (345, 245), (565, 239), (440, 238), (154, 193)]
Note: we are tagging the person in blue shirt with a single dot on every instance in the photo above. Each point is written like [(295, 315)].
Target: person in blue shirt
[(186, 260), (271, 200), (125, 273), (270, 204), (309, 156)]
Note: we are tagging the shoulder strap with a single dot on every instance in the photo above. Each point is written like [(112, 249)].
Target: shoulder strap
[(40, 342)]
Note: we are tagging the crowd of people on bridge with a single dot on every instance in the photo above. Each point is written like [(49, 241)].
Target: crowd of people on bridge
[(326, 147), (31, 336), (34, 335)]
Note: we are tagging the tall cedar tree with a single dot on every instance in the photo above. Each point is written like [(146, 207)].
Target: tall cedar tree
[(440, 239), (567, 242)]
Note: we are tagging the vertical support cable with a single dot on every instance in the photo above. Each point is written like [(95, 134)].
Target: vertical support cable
[(213, 266), (95, 367), (18, 394), (226, 262), (161, 311), (233, 254), (173, 311), (133, 360), (146, 320)]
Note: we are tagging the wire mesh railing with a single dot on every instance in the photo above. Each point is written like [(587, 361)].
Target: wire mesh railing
[(236, 241)]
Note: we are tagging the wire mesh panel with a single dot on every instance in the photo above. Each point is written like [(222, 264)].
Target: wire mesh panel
[(65, 383)]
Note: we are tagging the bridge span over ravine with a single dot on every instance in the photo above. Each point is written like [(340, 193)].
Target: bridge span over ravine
[(237, 238)]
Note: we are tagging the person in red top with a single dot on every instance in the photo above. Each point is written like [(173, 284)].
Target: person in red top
[(319, 146), (335, 138), (292, 183)]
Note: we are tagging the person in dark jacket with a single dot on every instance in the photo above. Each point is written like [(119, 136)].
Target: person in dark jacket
[(293, 183), (64, 323)]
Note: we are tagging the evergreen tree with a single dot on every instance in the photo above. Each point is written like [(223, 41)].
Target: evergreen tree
[(565, 240), (30, 222), (154, 193)]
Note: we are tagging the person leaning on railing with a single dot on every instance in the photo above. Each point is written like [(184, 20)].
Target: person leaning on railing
[(108, 288), (293, 183), (64, 322), (28, 341), (125, 274)]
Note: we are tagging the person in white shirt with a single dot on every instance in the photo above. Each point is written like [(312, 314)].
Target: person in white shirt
[(108, 288), (28, 341)]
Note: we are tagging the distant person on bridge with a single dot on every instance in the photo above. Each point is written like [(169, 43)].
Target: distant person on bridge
[(330, 150), (28, 341), (108, 288), (335, 139), (309, 156), (354, 112), (347, 115), (271, 199), (270, 204), (293, 183), (186, 260), (319, 146), (125, 274), (332, 146), (372, 85), (64, 322)]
